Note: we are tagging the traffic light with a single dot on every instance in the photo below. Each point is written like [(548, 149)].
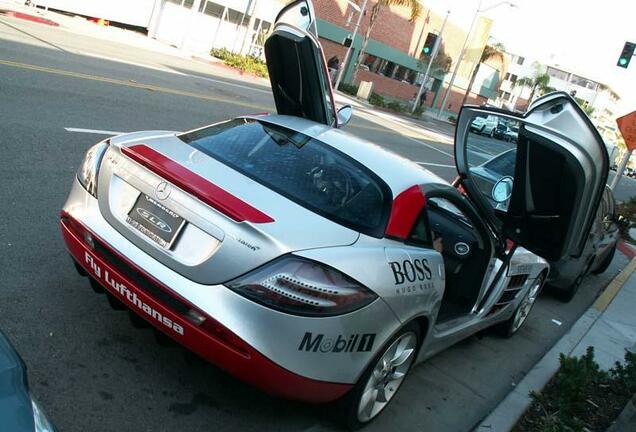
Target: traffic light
[(429, 44), (626, 55)]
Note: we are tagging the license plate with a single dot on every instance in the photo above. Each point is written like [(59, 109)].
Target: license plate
[(155, 221)]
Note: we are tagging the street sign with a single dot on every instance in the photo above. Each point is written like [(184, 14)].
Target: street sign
[(627, 126)]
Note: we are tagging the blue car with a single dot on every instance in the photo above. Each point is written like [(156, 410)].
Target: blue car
[(19, 412)]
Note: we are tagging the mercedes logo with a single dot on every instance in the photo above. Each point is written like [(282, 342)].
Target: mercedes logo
[(162, 191)]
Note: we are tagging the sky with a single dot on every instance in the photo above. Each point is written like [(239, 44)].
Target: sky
[(582, 36)]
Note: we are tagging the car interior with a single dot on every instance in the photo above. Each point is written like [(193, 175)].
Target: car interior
[(465, 252)]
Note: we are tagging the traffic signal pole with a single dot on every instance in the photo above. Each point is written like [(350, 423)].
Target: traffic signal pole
[(438, 42)]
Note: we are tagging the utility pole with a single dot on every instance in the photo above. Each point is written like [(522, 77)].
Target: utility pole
[(620, 169), (459, 62), (343, 66), (438, 42), (463, 50)]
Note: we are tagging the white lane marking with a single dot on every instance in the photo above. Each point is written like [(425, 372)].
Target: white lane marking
[(94, 131), (435, 164), (557, 322), (169, 70), (430, 146)]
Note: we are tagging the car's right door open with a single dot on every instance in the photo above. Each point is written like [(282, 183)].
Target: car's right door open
[(537, 178)]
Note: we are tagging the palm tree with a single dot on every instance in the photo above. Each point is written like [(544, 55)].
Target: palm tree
[(489, 52), (539, 82), (416, 10)]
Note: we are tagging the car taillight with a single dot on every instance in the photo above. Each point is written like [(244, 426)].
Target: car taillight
[(303, 287), (89, 168)]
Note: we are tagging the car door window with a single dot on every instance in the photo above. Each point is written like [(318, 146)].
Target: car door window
[(491, 159)]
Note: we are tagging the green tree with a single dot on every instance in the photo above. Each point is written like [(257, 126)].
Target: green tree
[(489, 52), (539, 84), (587, 108), (416, 10)]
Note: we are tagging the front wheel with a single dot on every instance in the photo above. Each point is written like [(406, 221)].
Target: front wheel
[(514, 323), (382, 379)]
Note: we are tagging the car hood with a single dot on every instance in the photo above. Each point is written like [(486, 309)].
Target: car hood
[(247, 226)]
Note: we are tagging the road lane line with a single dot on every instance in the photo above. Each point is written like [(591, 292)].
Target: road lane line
[(435, 164), (429, 146), (93, 131), (124, 83)]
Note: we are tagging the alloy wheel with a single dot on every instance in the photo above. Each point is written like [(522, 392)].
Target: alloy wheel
[(387, 376), (526, 304)]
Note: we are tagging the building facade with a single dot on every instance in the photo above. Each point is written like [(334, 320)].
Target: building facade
[(393, 59)]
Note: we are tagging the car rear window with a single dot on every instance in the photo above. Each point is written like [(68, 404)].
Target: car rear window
[(303, 169)]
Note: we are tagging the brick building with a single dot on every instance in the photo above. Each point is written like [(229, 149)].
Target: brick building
[(393, 61)]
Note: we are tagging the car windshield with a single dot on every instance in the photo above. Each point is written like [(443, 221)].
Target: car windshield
[(305, 170)]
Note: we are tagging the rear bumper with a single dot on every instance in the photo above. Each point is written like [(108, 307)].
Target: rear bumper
[(168, 312)]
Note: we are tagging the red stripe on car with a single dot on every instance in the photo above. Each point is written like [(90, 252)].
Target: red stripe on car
[(214, 342), (404, 211), (196, 185)]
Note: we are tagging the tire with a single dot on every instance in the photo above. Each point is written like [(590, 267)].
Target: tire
[(514, 323), (381, 380), (566, 295), (481, 131), (606, 262), (492, 133)]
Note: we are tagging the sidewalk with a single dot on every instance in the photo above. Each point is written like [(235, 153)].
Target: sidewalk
[(609, 325)]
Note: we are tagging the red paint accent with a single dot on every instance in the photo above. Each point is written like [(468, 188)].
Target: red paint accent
[(509, 245), (405, 210), (210, 341), (196, 185), (29, 17), (626, 250)]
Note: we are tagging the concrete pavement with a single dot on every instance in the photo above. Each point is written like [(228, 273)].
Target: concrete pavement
[(609, 325)]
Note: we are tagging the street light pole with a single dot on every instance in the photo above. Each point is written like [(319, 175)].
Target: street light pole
[(463, 50), (343, 66), (438, 42)]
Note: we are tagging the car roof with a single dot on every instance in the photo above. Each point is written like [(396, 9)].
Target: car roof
[(398, 172)]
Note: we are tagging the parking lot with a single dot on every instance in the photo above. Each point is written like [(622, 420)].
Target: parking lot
[(89, 367)]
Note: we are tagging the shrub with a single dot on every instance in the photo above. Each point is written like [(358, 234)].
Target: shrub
[(581, 396), (396, 106), (249, 64), (377, 100), (349, 89)]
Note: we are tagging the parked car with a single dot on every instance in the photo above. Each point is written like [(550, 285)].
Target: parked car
[(511, 134), (309, 262), (566, 274), (484, 125), (19, 412)]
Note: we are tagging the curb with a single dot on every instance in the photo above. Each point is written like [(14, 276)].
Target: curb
[(28, 17), (626, 419), (505, 415)]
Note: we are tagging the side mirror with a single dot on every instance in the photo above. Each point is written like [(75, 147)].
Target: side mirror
[(344, 115), (502, 190)]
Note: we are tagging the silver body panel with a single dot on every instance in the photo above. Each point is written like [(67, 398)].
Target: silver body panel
[(213, 250)]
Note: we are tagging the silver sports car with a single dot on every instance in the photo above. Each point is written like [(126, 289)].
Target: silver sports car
[(313, 264)]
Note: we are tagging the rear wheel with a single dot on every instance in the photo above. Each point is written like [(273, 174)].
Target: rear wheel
[(514, 323), (381, 381), (606, 262)]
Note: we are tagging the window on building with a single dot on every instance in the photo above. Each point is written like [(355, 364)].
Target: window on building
[(187, 3), (235, 16), (507, 76), (513, 78), (520, 60), (212, 9), (558, 74), (583, 82), (389, 69)]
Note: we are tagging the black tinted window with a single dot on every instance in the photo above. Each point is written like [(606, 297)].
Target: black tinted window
[(308, 172)]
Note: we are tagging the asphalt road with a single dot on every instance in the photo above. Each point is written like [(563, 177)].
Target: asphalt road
[(88, 366)]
